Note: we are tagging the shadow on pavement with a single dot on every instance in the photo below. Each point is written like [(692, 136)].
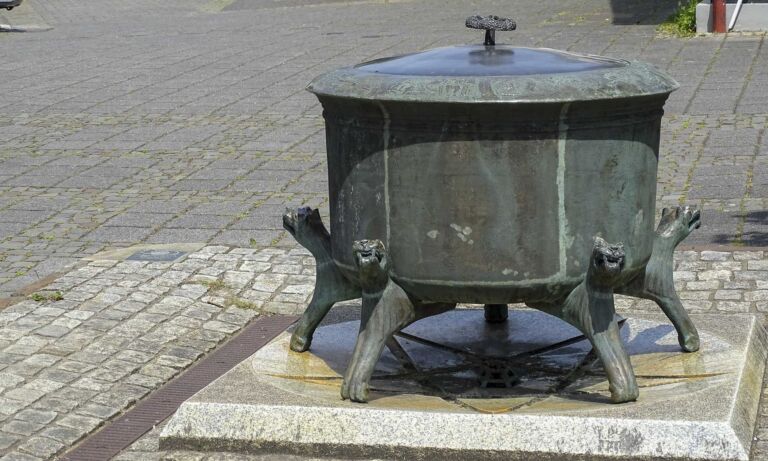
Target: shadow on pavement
[(755, 231), (631, 12)]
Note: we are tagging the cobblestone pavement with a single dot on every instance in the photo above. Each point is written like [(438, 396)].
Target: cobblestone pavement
[(123, 328), (168, 121)]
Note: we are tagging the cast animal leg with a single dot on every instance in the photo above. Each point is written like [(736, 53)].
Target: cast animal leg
[(386, 310), (657, 284), (330, 285), (590, 308)]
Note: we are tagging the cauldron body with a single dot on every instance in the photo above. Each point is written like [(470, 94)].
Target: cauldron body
[(488, 202)]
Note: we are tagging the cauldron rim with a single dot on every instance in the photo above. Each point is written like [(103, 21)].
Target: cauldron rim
[(634, 79)]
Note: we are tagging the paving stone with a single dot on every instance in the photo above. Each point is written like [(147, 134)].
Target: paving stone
[(49, 311), (24, 394), (59, 405), (10, 380), (76, 367), (752, 275), (759, 265), (134, 356), (174, 362), (43, 385), (79, 422), (91, 384), (6, 440), (159, 371), (170, 305), (53, 331), (24, 428), (268, 282), (79, 395), (222, 327), (728, 295), (715, 256), (715, 275), (11, 406), (36, 416), (705, 285), (186, 322), (43, 447), (739, 285), (16, 456), (66, 435), (108, 376), (102, 412), (147, 381), (733, 306)]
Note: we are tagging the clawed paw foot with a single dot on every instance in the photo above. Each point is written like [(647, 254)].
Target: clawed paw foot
[(300, 342), (677, 222), (624, 394), (354, 390), (689, 342), (622, 383)]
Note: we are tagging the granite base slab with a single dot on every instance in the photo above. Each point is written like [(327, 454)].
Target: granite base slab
[(432, 402)]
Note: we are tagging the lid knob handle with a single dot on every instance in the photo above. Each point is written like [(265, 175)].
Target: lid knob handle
[(491, 24)]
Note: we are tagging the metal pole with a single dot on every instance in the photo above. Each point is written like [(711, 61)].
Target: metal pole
[(735, 15), (718, 16)]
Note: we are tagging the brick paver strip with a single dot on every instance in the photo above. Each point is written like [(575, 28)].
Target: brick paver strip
[(126, 429)]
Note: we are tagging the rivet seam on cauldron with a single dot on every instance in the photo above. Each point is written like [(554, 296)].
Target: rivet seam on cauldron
[(385, 153), (566, 240)]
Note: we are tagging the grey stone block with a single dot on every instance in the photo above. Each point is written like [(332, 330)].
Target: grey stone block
[(257, 406), (23, 428), (66, 435), (36, 416), (41, 446)]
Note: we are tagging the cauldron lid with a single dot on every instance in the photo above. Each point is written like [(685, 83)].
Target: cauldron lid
[(494, 73), (481, 60)]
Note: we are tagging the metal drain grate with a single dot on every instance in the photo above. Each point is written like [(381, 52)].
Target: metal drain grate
[(118, 434), (156, 255)]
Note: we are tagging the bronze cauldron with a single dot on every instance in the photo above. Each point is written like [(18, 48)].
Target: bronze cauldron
[(492, 174)]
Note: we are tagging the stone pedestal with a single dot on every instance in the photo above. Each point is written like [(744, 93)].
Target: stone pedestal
[(459, 388)]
